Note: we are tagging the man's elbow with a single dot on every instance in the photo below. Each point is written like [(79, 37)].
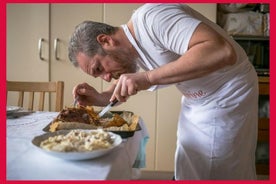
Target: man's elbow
[(230, 56)]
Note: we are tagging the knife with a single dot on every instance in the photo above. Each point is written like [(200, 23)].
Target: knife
[(111, 104)]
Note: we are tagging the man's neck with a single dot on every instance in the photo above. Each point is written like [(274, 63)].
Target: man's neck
[(125, 41)]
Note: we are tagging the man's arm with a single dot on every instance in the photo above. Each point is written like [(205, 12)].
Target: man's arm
[(207, 52)]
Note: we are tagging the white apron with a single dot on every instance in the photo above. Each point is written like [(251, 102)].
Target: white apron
[(217, 133), (217, 128)]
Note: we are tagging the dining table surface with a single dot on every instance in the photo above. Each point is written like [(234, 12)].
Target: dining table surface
[(26, 162)]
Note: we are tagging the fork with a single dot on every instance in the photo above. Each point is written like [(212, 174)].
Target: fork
[(75, 101)]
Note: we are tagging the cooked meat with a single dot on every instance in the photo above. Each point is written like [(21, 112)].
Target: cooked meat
[(81, 115), (84, 118)]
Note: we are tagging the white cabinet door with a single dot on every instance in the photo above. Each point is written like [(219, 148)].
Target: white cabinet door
[(63, 19), (26, 25)]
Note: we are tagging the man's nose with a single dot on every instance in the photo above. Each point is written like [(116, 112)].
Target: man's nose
[(106, 77)]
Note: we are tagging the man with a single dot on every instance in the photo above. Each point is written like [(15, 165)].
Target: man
[(217, 128)]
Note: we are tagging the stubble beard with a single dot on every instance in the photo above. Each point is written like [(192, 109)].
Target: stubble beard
[(125, 59)]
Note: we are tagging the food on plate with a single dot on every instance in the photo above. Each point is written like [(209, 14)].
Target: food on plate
[(130, 126), (81, 114), (81, 117), (78, 141)]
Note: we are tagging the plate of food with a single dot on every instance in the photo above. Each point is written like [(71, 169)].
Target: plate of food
[(77, 144), (123, 123)]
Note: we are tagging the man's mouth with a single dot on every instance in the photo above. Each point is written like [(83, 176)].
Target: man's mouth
[(116, 75)]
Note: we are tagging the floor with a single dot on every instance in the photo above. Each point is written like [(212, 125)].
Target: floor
[(156, 175), (162, 175)]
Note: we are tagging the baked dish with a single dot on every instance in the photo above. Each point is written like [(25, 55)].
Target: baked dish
[(81, 117)]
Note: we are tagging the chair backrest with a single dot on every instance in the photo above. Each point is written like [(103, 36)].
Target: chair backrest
[(37, 87)]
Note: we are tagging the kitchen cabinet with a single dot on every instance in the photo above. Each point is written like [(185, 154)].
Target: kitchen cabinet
[(47, 26), (37, 44), (26, 26), (63, 19)]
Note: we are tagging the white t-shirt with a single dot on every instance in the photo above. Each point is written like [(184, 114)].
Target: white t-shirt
[(160, 40), (163, 32)]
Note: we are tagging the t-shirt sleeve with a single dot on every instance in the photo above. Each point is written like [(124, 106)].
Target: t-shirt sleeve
[(172, 27)]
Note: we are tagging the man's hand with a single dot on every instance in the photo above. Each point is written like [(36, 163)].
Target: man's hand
[(129, 84), (87, 95)]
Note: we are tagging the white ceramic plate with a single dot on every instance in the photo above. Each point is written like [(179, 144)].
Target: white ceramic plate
[(12, 109), (75, 155)]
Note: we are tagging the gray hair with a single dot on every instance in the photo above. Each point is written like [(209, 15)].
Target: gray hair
[(84, 39)]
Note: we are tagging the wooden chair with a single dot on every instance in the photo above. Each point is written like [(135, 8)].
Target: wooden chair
[(37, 87)]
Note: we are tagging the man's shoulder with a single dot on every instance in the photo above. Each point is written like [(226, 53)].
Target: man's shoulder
[(158, 8)]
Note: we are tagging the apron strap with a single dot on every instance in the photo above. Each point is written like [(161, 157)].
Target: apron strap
[(133, 42)]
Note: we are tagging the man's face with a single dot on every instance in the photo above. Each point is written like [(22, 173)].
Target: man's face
[(108, 67)]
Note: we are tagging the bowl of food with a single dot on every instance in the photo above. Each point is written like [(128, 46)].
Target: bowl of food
[(77, 144)]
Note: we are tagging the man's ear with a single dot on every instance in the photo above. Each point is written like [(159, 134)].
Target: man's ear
[(104, 40)]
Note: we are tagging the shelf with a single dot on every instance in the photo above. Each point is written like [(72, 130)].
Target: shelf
[(263, 136), (264, 85), (251, 38), (257, 50), (263, 126), (263, 130), (263, 123), (264, 79), (262, 169)]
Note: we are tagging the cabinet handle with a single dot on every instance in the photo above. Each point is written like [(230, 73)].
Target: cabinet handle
[(56, 48), (40, 49)]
